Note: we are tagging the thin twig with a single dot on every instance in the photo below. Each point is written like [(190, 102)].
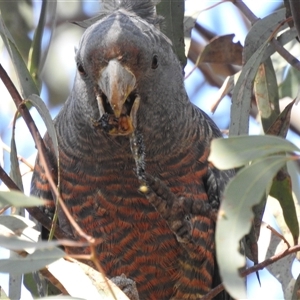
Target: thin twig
[(292, 60), (23, 110), (245, 10), (21, 158), (4, 209), (275, 232), (34, 211), (215, 291)]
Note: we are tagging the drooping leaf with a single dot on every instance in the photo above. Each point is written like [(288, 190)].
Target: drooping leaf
[(15, 172), (256, 43), (19, 226), (266, 94), (282, 190), (222, 50), (3, 294), (225, 89), (296, 291), (39, 104), (238, 151), (27, 84), (36, 60), (290, 86), (242, 93), (31, 284), (282, 123), (261, 31), (14, 242), (36, 46), (60, 270), (18, 199), (30, 263), (236, 216)]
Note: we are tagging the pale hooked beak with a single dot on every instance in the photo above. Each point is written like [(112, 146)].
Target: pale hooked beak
[(117, 99)]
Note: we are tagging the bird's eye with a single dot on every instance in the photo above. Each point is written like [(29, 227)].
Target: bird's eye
[(80, 69), (154, 61)]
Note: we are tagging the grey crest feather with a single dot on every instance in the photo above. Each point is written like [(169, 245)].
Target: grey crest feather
[(145, 9)]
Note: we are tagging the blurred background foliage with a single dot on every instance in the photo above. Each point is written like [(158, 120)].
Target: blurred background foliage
[(53, 68)]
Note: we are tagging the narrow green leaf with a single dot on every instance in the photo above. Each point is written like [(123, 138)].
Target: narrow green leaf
[(30, 284), (16, 223), (18, 199), (242, 93), (282, 191), (18, 243), (15, 172), (236, 216), (39, 104), (36, 60), (30, 263), (266, 94), (237, 151), (3, 294), (256, 43), (290, 86), (27, 84), (296, 288), (282, 122), (260, 32)]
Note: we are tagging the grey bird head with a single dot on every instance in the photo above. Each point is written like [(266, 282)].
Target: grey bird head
[(127, 66)]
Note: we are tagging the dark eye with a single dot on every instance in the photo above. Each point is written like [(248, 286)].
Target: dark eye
[(154, 61), (80, 69)]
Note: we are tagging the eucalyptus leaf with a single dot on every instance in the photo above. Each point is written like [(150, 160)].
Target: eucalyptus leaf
[(282, 191), (290, 85), (27, 84), (18, 243), (266, 94), (256, 43), (296, 288), (15, 172), (39, 104), (281, 124), (235, 218), (242, 93), (30, 263), (18, 199), (36, 60), (237, 151), (261, 31)]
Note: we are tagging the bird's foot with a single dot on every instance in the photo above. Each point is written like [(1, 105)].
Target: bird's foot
[(127, 285), (177, 211)]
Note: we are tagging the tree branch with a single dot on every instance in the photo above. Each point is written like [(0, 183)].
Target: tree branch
[(245, 10), (292, 60)]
